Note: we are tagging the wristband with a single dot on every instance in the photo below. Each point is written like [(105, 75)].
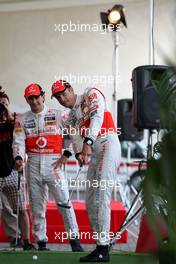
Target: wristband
[(88, 141), (67, 153), (18, 158), (77, 155)]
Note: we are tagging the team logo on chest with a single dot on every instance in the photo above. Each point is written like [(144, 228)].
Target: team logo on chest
[(41, 142), (50, 120)]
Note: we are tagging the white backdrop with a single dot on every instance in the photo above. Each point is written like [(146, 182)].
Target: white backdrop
[(32, 51)]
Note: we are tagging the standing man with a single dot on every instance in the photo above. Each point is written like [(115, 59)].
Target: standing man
[(9, 177), (9, 220), (90, 117), (37, 133)]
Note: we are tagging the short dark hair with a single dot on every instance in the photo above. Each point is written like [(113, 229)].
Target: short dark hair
[(41, 90), (66, 84), (3, 94)]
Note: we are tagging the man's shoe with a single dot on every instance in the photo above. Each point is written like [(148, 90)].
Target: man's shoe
[(42, 246), (75, 245), (29, 247), (100, 254)]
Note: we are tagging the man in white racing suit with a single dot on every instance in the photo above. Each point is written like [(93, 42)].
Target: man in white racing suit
[(37, 133), (91, 119)]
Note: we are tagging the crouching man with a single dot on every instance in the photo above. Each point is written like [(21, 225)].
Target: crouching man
[(90, 118)]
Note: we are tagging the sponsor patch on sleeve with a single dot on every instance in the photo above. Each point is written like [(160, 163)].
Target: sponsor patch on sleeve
[(18, 128), (92, 96)]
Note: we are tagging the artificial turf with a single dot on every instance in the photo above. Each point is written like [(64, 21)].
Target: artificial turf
[(55, 257)]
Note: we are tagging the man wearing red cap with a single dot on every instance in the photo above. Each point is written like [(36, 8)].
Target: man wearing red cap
[(37, 133), (91, 119)]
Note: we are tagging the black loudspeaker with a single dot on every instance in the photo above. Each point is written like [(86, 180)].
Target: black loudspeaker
[(128, 131), (146, 112)]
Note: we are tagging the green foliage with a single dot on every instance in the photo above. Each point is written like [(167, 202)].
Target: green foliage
[(160, 182)]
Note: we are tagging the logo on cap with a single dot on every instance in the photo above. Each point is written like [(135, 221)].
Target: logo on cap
[(31, 90), (58, 87)]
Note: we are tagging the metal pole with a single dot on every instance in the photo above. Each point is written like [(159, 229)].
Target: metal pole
[(115, 36), (151, 51)]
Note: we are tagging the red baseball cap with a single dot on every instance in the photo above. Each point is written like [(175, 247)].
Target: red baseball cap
[(32, 89), (58, 87)]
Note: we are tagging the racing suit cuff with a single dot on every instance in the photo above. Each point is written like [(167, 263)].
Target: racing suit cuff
[(67, 153), (18, 158)]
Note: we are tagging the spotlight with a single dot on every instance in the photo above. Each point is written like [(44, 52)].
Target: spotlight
[(114, 16)]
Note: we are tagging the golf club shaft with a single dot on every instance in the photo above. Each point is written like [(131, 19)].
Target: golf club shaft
[(77, 176), (66, 205), (18, 200)]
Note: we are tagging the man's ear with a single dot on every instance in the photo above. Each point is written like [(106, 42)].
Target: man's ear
[(71, 89), (43, 98), (27, 100)]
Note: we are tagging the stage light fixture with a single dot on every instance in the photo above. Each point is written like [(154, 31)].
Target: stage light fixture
[(111, 22), (114, 16)]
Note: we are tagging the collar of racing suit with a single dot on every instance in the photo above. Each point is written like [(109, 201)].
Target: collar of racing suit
[(79, 100), (45, 109)]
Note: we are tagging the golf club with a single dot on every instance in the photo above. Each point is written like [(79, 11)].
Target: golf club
[(66, 205), (20, 173)]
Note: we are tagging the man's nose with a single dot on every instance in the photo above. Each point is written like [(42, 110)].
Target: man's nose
[(34, 100)]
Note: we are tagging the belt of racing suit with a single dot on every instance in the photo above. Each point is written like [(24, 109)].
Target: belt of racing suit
[(47, 144)]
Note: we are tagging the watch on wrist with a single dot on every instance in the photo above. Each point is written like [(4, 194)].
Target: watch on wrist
[(88, 141)]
